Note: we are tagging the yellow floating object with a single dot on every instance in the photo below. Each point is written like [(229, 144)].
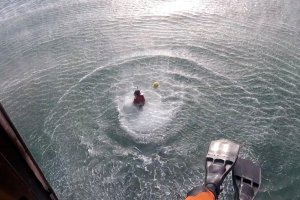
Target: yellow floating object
[(155, 85)]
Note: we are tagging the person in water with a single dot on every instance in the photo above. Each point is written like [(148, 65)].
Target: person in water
[(139, 99), (222, 157)]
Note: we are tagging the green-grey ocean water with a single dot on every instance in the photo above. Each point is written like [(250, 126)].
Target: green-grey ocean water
[(227, 69)]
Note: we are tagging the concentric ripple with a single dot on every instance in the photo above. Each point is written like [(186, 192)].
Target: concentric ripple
[(96, 118)]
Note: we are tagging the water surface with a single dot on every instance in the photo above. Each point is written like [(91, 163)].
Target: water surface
[(227, 69)]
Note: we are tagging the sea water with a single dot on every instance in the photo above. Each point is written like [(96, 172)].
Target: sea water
[(227, 69)]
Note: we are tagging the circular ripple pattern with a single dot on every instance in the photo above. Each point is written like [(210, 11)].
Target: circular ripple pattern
[(226, 70)]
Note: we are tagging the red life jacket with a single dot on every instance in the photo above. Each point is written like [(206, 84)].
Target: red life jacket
[(139, 100)]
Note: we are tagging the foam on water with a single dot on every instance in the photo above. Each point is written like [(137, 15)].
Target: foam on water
[(145, 122)]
